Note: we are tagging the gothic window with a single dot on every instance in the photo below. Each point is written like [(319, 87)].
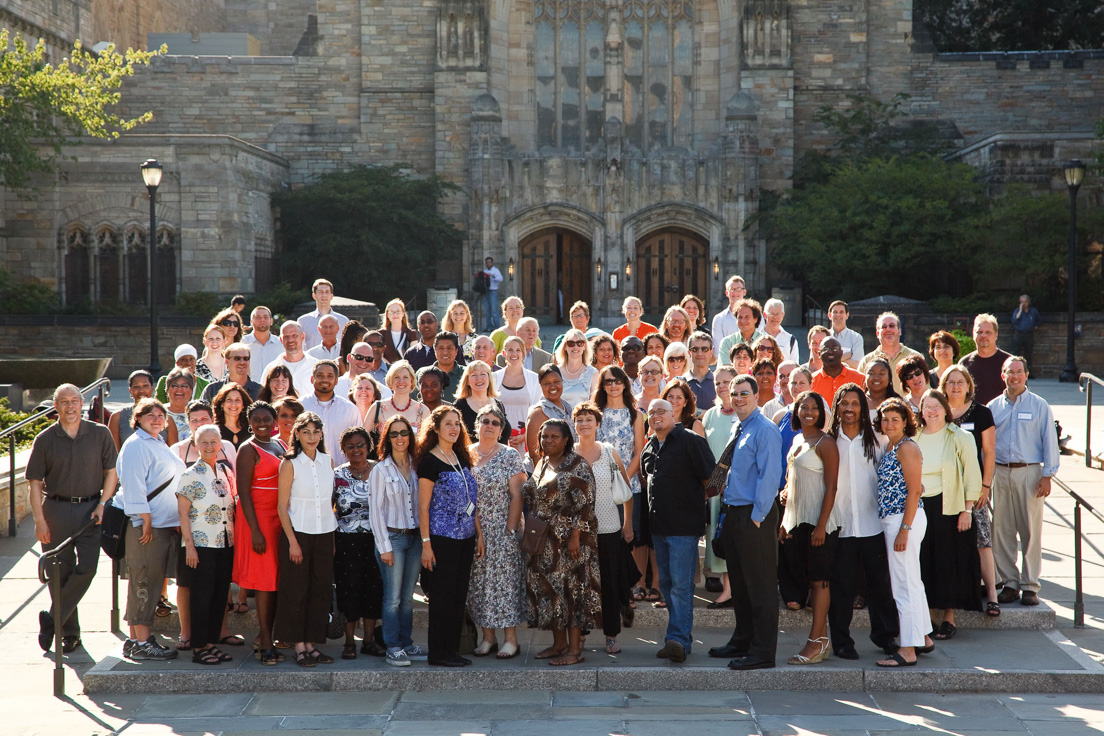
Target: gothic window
[(137, 266), (165, 283), (570, 71), (78, 282), (107, 264), (658, 57)]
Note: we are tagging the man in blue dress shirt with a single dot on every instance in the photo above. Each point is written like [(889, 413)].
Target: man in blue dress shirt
[(749, 532)]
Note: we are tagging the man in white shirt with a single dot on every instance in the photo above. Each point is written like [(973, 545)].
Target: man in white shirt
[(774, 311), (264, 347), (298, 362), (322, 291), (861, 541), (337, 412), (849, 340), (360, 360), (724, 322), (328, 349), (490, 297)]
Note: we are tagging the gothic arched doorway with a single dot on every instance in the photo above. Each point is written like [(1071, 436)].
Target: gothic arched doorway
[(671, 264), (555, 272)]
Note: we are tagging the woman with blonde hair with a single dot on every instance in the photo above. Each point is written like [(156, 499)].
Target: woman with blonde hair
[(650, 372), (458, 319), (573, 358), (676, 361), (400, 379), (477, 390), (211, 366), (396, 330), (676, 325)]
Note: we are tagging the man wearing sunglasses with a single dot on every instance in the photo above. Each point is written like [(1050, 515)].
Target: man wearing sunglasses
[(238, 357), (699, 377), (360, 359)]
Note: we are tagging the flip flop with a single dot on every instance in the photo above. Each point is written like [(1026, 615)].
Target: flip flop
[(559, 661), (549, 653), (898, 661), (184, 645), (233, 640)]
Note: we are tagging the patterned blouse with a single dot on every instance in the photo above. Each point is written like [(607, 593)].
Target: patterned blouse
[(452, 491), (892, 490), (212, 511), (350, 500)]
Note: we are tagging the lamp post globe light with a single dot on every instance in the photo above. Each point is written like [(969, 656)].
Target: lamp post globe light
[(151, 175), (1074, 172)]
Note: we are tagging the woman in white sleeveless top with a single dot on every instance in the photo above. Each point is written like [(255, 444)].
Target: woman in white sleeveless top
[(306, 513)]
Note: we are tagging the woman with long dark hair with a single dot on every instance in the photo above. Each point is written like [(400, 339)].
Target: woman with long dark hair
[(277, 384)]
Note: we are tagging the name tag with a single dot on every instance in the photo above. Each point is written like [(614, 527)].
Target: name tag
[(1024, 415), (469, 509), (968, 426)]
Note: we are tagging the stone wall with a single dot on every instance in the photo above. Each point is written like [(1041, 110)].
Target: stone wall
[(277, 25)]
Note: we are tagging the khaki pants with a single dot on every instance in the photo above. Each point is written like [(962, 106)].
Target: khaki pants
[(147, 564), (1018, 514)]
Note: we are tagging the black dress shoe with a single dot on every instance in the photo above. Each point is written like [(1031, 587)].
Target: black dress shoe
[(1008, 595), (70, 643), (452, 661), (714, 585), (464, 660), (748, 662), (45, 630), (727, 603), (847, 653), (728, 651)]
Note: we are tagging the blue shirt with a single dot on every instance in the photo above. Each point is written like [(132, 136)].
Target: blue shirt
[(1025, 431), (1027, 321), (785, 427), (704, 390), (754, 474), (145, 462), (452, 493)]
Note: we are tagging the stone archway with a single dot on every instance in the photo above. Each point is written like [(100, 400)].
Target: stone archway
[(554, 271), (671, 263)]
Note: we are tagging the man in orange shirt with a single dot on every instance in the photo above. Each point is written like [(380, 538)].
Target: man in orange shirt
[(834, 373)]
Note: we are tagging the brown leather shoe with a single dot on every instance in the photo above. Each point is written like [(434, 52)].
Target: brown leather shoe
[(1008, 595), (1029, 598)]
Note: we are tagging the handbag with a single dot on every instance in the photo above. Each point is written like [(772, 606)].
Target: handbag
[(535, 536), (718, 479), (717, 544), (622, 491), (114, 522)]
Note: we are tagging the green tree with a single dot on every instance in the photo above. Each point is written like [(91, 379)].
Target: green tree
[(44, 107), (367, 229), (1012, 25)]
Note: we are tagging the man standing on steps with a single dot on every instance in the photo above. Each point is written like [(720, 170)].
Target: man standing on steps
[(749, 532), (323, 294), (336, 412), (238, 357), (889, 348), (490, 297), (1027, 458), (71, 473), (298, 362), (833, 372), (328, 330), (421, 353), (264, 347), (986, 364)]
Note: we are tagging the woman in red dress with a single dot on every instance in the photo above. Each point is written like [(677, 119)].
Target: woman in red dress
[(255, 562)]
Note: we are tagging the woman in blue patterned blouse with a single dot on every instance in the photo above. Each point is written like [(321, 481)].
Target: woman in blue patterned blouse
[(451, 534)]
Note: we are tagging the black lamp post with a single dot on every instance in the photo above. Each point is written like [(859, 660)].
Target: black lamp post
[(151, 175), (1074, 172)]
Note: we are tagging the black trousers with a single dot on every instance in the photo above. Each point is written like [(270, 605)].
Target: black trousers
[(306, 589), (856, 557), (752, 556), (618, 572), (447, 586), (210, 584), (78, 563)]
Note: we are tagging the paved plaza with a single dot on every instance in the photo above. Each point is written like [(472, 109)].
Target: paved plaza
[(1028, 672)]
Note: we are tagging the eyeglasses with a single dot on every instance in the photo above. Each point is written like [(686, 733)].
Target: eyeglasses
[(397, 433), (376, 344), (700, 349), (230, 323), (742, 394), (174, 386), (364, 358), (492, 422), (240, 358), (677, 358), (650, 373), (574, 343), (610, 381)]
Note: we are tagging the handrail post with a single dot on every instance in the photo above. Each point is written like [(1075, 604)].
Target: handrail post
[(1079, 599), (115, 597), (55, 592), (11, 485), (1088, 423)]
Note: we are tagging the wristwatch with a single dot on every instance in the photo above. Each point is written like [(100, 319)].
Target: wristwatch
[(425, 539), (906, 527)]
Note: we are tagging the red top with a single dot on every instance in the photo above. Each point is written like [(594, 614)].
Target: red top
[(826, 386)]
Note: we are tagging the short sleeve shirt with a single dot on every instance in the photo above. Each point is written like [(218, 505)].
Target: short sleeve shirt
[(211, 515), (72, 467), (452, 491)]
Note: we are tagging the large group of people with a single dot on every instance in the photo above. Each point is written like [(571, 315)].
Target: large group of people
[(333, 467)]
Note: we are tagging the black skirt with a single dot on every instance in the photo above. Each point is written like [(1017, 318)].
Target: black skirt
[(357, 576), (949, 562)]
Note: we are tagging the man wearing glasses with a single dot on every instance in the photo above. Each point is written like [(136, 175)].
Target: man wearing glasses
[(889, 348), (238, 356), (749, 532), (699, 376), (360, 359), (379, 367)]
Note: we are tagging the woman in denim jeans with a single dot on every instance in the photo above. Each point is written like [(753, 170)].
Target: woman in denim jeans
[(393, 503)]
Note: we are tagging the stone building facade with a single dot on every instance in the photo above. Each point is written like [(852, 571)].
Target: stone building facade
[(603, 147)]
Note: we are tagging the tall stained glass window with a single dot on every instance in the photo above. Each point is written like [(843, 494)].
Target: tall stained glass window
[(659, 58), (570, 71)]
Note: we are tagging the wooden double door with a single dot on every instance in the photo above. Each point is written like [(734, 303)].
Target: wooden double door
[(555, 271), (670, 264)]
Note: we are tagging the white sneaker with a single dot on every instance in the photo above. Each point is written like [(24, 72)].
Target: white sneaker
[(398, 658), (416, 653)]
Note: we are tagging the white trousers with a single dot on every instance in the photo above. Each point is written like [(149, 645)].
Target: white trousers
[(904, 576), (1018, 517)]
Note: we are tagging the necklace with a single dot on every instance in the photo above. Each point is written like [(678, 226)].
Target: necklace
[(576, 374), (358, 474), (409, 401), (728, 412), (485, 455)]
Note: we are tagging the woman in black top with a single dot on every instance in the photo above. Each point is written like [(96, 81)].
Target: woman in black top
[(476, 391), (230, 406)]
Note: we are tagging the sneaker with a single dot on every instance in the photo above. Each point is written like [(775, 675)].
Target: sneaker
[(151, 650), (416, 654), (128, 647), (398, 658)]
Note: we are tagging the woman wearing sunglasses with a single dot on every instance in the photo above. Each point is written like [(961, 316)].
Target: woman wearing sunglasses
[(916, 378), (230, 321), (573, 358)]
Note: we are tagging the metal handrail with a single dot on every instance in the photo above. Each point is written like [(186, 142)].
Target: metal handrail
[(9, 432), (1079, 596), (1085, 383), (51, 558)]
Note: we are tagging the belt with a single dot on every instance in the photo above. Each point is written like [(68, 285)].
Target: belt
[(68, 499), (393, 530), (741, 506), (1015, 465)]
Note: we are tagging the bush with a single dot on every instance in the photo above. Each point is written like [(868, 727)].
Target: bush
[(965, 342), (281, 299), (198, 304), (26, 296), (24, 437)]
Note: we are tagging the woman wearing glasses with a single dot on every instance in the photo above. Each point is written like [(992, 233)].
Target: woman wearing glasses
[(393, 499), (916, 378), (573, 358), (230, 320), (496, 596)]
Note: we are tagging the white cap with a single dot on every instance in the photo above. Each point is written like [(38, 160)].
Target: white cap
[(185, 349)]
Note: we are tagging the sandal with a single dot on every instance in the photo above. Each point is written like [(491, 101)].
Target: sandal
[(238, 608), (638, 593), (270, 657), (164, 608), (223, 656), (183, 645), (946, 631), (319, 657), (349, 651), (898, 661), (303, 659), (373, 649), (653, 595), (567, 658), (612, 647), (206, 656), (233, 640), (509, 650), (859, 603), (992, 608), (485, 648), (550, 653)]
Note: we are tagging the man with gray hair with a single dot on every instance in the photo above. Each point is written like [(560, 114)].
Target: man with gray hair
[(890, 349), (328, 349), (986, 364), (483, 349), (71, 473), (299, 363), (774, 311)]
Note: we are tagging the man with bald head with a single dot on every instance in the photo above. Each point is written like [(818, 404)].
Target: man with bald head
[(483, 349), (71, 473), (328, 329), (360, 359), (834, 372), (298, 362)]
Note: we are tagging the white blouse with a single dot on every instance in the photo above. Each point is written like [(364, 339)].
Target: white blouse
[(311, 504)]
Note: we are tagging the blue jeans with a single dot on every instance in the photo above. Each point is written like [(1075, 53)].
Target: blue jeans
[(398, 589), (490, 310), (677, 557)]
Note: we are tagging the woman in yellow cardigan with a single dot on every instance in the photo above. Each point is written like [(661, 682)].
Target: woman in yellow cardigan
[(949, 563)]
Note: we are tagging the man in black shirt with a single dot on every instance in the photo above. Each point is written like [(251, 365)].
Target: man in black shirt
[(677, 463)]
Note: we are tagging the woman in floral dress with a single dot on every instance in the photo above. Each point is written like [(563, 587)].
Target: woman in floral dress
[(496, 595)]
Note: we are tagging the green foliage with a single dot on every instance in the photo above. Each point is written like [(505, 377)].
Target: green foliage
[(45, 104), (1012, 25), (965, 342), (27, 296), (281, 300), (23, 437), (878, 226), (870, 128), (367, 229), (198, 304)]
